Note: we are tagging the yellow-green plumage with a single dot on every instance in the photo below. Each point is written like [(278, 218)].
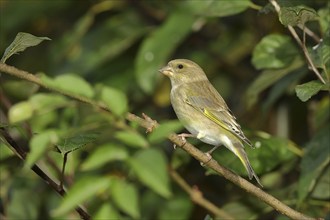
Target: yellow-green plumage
[(203, 111)]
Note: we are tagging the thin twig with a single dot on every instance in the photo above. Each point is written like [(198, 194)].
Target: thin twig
[(301, 44), (197, 197), (192, 150)]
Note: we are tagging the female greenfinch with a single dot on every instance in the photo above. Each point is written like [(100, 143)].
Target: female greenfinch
[(203, 112)]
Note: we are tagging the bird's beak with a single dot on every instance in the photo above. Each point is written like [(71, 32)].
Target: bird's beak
[(167, 71)]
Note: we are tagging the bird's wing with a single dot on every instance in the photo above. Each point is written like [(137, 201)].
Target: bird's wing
[(221, 115)]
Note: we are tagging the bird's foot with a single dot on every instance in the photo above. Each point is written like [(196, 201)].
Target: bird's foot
[(183, 137), (209, 156)]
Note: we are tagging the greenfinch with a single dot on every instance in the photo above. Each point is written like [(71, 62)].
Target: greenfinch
[(203, 111)]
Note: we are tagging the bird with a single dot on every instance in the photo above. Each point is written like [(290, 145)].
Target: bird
[(203, 112)]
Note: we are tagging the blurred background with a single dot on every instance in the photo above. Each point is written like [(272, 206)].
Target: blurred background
[(110, 51)]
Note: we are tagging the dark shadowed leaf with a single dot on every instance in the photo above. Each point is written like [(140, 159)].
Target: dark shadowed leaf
[(20, 43), (178, 207), (322, 189), (267, 78), (315, 159)]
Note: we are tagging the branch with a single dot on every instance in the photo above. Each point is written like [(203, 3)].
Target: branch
[(150, 124), (300, 43), (197, 197), (21, 153)]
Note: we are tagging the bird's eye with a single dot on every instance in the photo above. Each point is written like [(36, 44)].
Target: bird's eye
[(180, 66)]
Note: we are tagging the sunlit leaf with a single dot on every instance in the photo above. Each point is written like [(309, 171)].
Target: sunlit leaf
[(115, 99), (20, 43), (125, 196), (316, 158), (39, 144), (274, 51), (150, 167), (82, 190), (104, 154), (158, 46), (20, 112), (131, 138), (45, 102), (75, 142), (307, 90), (164, 129), (297, 15)]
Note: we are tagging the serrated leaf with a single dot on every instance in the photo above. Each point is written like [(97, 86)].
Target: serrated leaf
[(297, 15), (315, 159), (82, 190), (307, 90), (115, 99), (150, 167), (267, 78), (158, 46), (20, 111), (125, 196), (39, 144), (274, 51), (70, 83), (104, 154), (20, 43), (215, 8), (132, 139), (75, 142), (164, 129)]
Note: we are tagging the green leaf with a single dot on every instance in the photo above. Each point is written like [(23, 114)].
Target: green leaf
[(274, 51), (132, 139), (239, 210), (164, 129), (150, 167), (267, 78), (82, 190), (269, 153), (39, 144), (106, 212), (20, 43), (115, 99), (125, 196), (19, 112), (322, 189), (324, 19), (179, 207), (215, 8), (19, 89), (297, 15), (307, 90), (70, 83), (315, 159), (45, 102), (158, 46), (75, 142), (104, 154)]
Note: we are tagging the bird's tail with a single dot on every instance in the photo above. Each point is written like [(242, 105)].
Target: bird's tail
[(241, 154)]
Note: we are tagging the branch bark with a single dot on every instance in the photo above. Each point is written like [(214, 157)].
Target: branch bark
[(150, 124)]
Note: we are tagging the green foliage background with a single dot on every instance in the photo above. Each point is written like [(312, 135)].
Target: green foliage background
[(110, 51)]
